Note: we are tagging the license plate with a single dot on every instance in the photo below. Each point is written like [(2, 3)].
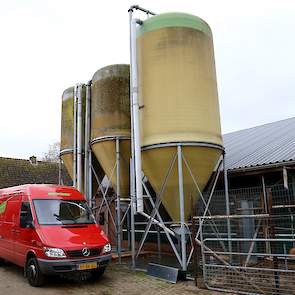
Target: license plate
[(90, 265)]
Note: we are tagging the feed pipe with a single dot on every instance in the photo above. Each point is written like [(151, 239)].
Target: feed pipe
[(75, 139), (137, 7), (79, 138), (135, 114), (87, 182), (134, 103)]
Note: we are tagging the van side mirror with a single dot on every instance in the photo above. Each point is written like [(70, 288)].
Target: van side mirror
[(26, 219), (25, 223)]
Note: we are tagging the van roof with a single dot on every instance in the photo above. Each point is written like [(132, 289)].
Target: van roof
[(44, 191)]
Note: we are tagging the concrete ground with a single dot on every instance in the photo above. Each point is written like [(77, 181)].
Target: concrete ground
[(116, 280)]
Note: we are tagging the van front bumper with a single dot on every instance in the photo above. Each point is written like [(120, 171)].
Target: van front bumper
[(51, 267)]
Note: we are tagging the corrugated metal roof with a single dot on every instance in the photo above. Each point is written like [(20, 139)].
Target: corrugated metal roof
[(262, 145)]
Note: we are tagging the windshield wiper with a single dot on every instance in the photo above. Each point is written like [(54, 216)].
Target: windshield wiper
[(62, 220)]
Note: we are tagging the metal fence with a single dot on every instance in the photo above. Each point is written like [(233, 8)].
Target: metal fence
[(251, 251), (282, 200)]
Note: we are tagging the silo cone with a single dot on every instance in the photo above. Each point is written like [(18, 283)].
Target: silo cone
[(178, 95), (110, 119)]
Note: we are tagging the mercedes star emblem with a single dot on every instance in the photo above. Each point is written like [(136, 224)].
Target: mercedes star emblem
[(85, 251)]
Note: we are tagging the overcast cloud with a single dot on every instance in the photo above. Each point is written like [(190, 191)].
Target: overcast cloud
[(47, 46)]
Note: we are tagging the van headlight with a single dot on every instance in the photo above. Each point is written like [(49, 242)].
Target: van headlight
[(107, 248), (54, 252)]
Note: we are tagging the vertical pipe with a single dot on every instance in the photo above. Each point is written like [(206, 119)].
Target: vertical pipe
[(273, 249), (75, 139), (266, 211), (86, 143), (118, 209), (195, 249), (132, 184), (292, 229), (90, 178), (132, 209), (227, 205), (59, 170), (128, 232), (202, 249), (159, 241), (79, 139), (181, 203), (135, 114), (264, 195)]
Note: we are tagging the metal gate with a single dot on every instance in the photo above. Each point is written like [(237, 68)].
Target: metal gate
[(256, 256)]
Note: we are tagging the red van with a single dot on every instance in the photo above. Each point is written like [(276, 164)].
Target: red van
[(49, 230)]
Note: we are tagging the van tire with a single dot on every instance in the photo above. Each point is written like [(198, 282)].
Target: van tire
[(98, 273), (2, 261), (33, 273)]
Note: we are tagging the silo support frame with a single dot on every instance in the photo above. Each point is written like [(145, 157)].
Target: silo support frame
[(207, 203), (118, 205), (117, 219), (181, 206), (104, 194), (151, 218), (155, 216)]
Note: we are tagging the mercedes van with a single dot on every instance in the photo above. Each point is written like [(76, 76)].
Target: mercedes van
[(49, 230)]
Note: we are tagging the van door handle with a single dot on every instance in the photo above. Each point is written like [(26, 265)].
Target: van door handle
[(13, 230), (17, 231)]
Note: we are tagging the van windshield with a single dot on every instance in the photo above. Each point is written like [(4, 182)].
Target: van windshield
[(59, 212)]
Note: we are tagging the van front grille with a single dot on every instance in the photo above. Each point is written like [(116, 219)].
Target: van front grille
[(62, 268), (79, 253)]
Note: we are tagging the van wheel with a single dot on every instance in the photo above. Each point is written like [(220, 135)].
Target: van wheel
[(33, 273), (2, 261), (98, 273)]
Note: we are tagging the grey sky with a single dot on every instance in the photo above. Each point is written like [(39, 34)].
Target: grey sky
[(47, 46)]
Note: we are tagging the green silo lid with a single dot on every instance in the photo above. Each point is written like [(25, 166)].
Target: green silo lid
[(174, 19)]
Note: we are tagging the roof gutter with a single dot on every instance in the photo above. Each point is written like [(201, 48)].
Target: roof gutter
[(261, 167)]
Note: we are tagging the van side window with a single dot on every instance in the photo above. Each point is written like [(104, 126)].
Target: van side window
[(25, 215)]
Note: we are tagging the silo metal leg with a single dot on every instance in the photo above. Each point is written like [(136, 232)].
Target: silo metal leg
[(132, 212), (181, 202), (118, 211), (91, 197), (227, 206)]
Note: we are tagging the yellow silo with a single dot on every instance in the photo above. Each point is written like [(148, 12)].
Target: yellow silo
[(67, 129), (178, 105), (110, 120)]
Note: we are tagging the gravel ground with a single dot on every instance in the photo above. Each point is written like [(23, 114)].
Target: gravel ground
[(117, 280)]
